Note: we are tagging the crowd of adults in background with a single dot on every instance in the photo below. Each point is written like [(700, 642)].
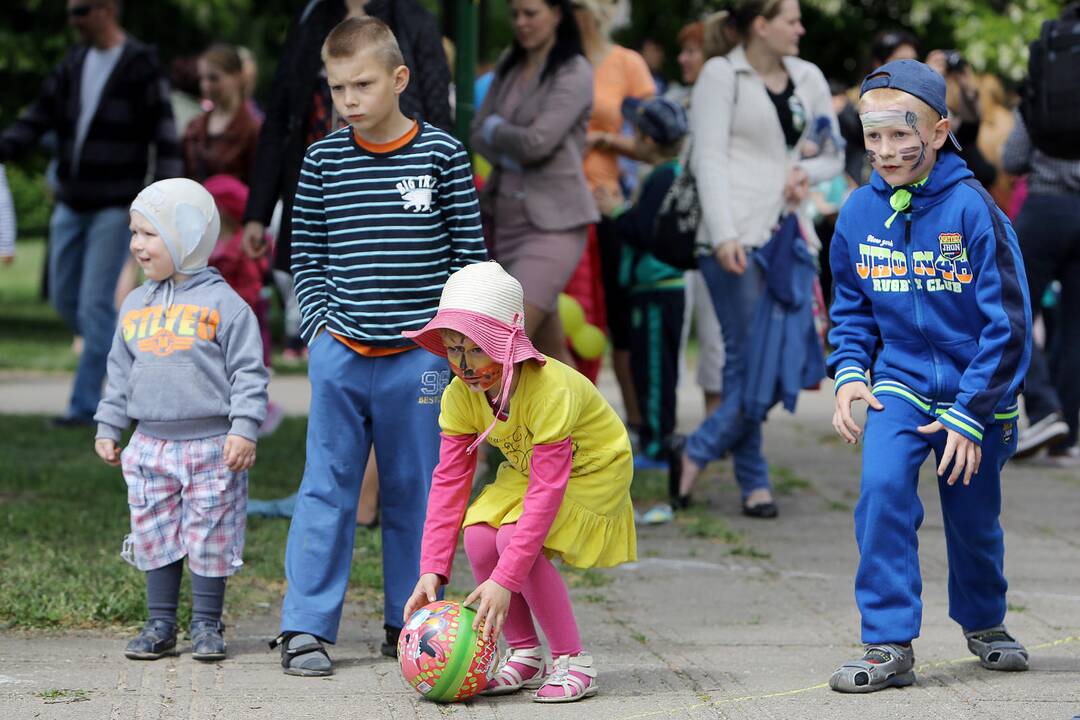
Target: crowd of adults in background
[(107, 104), (770, 138), (538, 108)]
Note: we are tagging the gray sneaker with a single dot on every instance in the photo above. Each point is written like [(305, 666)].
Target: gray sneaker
[(1040, 434), (881, 666)]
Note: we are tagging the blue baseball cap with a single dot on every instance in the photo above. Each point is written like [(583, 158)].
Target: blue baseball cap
[(662, 120), (914, 78)]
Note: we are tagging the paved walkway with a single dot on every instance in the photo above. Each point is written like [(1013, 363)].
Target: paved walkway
[(698, 628)]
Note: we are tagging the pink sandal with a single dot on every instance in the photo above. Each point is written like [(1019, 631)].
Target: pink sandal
[(566, 683), (508, 677)]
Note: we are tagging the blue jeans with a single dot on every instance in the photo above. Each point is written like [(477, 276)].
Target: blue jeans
[(734, 298), (87, 251), (392, 403)]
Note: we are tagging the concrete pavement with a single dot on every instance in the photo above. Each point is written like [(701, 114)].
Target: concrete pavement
[(698, 628)]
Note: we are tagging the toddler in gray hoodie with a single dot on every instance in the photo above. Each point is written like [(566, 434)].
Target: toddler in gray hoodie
[(186, 364)]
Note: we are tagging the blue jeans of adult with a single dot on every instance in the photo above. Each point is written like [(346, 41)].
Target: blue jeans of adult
[(726, 430), (1048, 228), (87, 251)]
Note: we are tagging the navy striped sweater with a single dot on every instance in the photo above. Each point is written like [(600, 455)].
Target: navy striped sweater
[(375, 236)]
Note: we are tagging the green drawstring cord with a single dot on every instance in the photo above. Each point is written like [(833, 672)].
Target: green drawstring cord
[(901, 200)]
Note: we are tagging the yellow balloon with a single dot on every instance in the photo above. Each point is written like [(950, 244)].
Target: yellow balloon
[(588, 342), (571, 314)]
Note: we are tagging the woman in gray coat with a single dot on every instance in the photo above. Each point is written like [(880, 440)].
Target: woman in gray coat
[(531, 127)]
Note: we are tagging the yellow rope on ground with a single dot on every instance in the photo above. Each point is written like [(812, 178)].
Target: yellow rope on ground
[(799, 691)]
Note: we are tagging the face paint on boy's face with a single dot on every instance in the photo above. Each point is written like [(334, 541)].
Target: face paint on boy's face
[(894, 145)]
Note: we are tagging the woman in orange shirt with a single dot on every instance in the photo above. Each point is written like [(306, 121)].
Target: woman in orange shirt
[(618, 74)]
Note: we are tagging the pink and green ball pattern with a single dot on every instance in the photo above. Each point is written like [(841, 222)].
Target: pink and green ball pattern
[(440, 654)]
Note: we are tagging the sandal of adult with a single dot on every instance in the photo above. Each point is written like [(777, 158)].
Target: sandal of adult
[(882, 666), (565, 684), (508, 679), (156, 639), (303, 654), (997, 649)]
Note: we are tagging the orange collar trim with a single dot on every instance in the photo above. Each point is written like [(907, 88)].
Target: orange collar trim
[(389, 146)]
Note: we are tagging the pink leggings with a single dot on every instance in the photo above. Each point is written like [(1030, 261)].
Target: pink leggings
[(542, 594)]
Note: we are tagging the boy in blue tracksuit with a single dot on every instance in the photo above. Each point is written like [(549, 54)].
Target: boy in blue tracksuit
[(385, 210), (932, 328)]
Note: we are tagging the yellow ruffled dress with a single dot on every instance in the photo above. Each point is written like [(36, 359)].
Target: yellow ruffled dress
[(595, 523)]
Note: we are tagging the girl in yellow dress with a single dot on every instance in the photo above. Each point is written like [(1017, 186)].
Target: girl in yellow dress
[(563, 491)]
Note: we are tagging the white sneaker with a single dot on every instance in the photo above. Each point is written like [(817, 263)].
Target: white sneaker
[(1040, 434)]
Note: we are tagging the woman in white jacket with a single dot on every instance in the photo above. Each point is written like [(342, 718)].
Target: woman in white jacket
[(763, 131)]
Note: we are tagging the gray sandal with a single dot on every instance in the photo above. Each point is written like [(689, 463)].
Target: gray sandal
[(883, 665), (997, 649), (303, 654)]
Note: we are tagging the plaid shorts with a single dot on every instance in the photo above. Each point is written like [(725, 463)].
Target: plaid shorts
[(184, 501)]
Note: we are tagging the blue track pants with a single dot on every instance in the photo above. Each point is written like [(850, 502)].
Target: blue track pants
[(888, 583)]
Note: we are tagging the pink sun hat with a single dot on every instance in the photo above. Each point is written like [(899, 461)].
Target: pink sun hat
[(485, 304)]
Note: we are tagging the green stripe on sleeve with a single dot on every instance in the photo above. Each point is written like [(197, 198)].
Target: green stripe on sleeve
[(950, 420)]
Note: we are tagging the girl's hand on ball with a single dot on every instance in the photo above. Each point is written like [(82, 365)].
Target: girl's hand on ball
[(494, 601), (424, 592), (107, 450)]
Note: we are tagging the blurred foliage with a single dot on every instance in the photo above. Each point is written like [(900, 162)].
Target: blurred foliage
[(993, 34), (30, 195)]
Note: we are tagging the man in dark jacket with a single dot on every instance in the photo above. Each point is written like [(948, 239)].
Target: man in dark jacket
[(108, 102), (300, 111)]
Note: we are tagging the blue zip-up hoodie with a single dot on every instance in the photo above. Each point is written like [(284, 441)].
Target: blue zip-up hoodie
[(936, 305)]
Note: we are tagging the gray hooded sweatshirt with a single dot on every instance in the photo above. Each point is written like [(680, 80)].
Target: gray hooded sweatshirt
[(187, 366)]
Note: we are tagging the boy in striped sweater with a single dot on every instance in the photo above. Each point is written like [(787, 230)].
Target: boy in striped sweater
[(385, 210)]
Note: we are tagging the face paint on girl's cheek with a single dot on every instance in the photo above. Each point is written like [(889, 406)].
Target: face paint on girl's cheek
[(480, 378), (871, 157)]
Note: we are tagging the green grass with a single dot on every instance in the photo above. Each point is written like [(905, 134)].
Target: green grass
[(786, 482), (64, 513), (750, 552), (698, 522), (54, 696), (649, 486), (36, 339)]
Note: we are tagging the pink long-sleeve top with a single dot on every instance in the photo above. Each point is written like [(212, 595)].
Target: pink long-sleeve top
[(549, 472)]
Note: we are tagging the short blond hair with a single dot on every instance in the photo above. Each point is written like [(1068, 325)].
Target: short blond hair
[(355, 35)]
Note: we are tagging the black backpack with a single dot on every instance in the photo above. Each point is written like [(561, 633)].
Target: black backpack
[(677, 223), (1050, 102)]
